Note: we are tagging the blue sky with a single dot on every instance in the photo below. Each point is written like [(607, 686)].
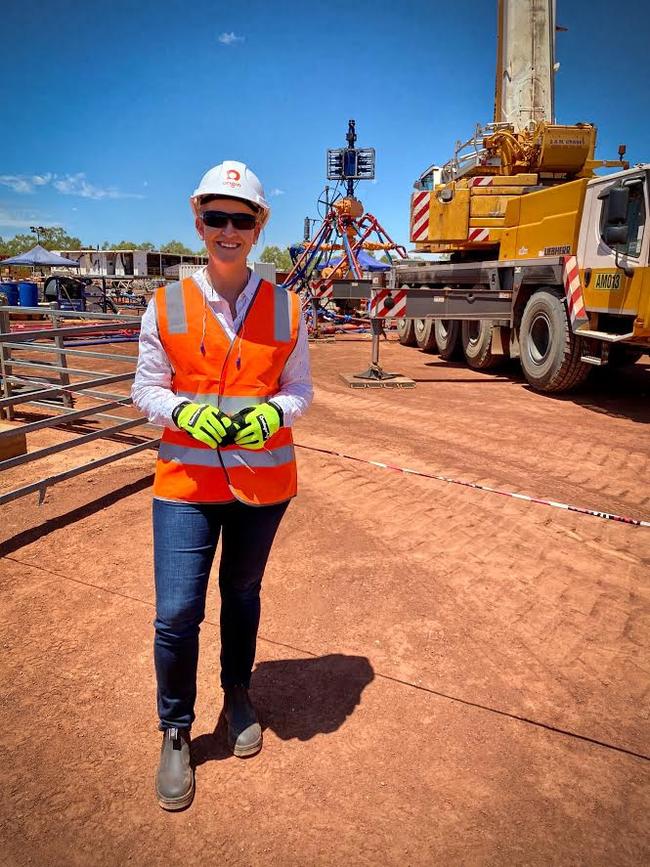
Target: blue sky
[(113, 111)]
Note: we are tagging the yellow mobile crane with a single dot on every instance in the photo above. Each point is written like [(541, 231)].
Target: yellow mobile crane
[(548, 262)]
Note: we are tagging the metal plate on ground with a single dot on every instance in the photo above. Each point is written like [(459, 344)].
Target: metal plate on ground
[(395, 382)]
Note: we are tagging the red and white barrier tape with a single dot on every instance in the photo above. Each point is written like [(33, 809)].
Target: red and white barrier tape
[(566, 506)]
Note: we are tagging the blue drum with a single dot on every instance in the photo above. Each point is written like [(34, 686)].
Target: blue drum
[(11, 291), (28, 294)]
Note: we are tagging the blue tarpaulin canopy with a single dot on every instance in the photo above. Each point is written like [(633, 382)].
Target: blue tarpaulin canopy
[(366, 263), (39, 256)]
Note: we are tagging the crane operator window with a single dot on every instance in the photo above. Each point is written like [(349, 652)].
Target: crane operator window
[(635, 220)]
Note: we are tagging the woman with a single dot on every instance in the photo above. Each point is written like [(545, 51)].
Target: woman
[(224, 367)]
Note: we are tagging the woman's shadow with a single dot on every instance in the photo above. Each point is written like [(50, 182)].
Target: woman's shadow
[(296, 698)]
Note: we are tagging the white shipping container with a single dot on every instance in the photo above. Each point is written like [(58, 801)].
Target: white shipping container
[(266, 270)]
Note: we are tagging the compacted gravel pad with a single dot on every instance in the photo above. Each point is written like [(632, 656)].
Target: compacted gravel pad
[(444, 675)]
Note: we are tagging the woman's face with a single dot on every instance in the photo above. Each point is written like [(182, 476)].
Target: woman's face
[(227, 245)]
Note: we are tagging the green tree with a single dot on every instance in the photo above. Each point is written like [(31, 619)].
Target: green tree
[(279, 257), (56, 238), (131, 245), (52, 239), (128, 245), (122, 245), (177, 248), (17, 244)]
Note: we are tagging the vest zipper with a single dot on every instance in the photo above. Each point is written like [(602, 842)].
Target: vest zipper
[(224, 365)]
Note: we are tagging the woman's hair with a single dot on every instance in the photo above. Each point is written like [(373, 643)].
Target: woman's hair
[(210, 197)]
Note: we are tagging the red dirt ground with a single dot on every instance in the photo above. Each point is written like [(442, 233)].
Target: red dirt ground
[(445, 676)]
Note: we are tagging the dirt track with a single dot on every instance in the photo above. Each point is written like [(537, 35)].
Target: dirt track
[(445, 676)]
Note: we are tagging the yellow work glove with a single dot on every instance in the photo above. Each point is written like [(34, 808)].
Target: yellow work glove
[(257, 424), (205, 423)]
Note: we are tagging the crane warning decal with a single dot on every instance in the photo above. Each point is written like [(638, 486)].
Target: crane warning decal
[(322, 290), (573, 291), (477, 235), (420, 216), (388, 304)]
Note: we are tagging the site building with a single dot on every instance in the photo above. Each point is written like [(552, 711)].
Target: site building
[(131, 263)]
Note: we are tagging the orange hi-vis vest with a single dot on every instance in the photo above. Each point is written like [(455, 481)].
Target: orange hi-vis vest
[(210, 368)]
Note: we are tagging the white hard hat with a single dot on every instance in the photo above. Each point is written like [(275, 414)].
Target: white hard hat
[(236, 180)]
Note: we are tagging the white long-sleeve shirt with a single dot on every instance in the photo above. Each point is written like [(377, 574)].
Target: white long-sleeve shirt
[(151, 391)]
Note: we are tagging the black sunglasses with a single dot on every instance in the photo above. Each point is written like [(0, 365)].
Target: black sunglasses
[(220, 219)]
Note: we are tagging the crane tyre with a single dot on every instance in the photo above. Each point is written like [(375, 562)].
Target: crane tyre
[(425, 335), (406, 332), (447, 333), (549, 351), (476, 338)]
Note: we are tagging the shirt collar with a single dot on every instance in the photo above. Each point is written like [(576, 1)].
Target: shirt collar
[(202, 280)]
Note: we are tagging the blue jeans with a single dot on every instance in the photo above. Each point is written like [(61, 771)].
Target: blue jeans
[(185, 539)]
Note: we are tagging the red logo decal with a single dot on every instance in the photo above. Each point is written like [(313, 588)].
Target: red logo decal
[(233, 175)]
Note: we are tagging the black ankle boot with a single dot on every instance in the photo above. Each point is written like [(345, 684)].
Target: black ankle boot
[(175, 777), (244, 730)]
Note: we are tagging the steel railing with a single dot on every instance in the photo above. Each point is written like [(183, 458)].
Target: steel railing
[(24, 364)]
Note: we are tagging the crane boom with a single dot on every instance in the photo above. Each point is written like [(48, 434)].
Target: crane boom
[(524, 93), (461, 206)]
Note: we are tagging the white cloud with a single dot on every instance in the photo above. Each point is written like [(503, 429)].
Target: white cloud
[(276, 191), (17, 184), (68, 185), (230, 38), (12, 220), (25, 183), (77, 185)]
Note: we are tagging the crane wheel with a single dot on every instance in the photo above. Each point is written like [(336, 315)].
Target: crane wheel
[(549, 351), (448, 338), (406, 332), (425, 335), (476, 338)]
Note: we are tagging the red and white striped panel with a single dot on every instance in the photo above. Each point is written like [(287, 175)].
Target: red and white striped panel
[(481, 182), (387, 304), (420, 203), (322, 291), (478, 235), (573, 291)]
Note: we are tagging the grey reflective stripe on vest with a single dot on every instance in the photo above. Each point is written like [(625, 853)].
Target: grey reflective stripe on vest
[(282, 314), (232, 458), (175, 304), (262, 458), (229, 404)]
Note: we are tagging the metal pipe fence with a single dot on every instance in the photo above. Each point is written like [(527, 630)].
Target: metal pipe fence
[(31, 382)]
